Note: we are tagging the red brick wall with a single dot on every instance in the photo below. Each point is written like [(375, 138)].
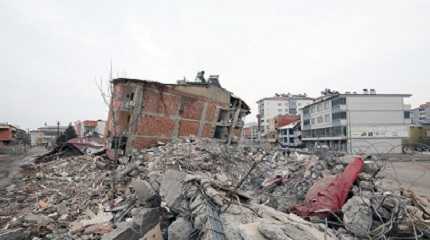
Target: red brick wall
[(188, 128), (161, 106), (5, 134), (155, 126)]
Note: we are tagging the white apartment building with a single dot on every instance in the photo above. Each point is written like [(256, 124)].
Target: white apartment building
[(280, 104), (357, 123), (421, 114), (290, 135)]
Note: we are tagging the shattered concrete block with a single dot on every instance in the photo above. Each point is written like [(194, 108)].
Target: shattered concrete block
[(180, 229), (366, 185), (171, 189), (124, 231), (357, 216), (370, 167), (364, 176), (41, 220), (272, 231), (146, 218), (15, 234), (144, 191)]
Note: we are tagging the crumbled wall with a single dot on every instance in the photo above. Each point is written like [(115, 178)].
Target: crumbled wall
[(161, 112)]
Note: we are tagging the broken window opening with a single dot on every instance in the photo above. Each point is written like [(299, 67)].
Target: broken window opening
[(219, 132)]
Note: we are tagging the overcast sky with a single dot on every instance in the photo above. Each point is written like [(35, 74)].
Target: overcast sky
[(52, 51)]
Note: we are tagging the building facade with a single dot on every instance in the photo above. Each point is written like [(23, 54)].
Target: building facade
[(290, 135), (144, 112), (46, 135), (10, 134), (250, 132), (89, 128), (357, 123), (421, 114), (280, 104)]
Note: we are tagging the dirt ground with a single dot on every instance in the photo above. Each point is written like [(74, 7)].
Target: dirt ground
[(9, 164), (414, 175)]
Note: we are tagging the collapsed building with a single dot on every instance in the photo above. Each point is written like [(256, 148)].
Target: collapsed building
[(143, 113)]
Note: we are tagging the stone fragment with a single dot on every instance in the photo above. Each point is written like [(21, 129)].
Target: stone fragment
[(38, 219), (180, 229), (145, 219), (99, 229), (15, 234), (366, 185), (171, 189), (123, 231), (370, 167), (144, 191), (357, 216), (272, 231)]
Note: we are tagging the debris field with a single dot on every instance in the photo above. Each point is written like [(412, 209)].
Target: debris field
[(198, 188)]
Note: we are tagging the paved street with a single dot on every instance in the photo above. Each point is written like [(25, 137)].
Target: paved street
[(9, 164), (409, 175)]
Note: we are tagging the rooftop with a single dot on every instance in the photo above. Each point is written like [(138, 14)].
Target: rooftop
[(327, 97), (286, 97)]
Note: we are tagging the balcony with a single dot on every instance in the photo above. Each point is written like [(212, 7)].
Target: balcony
[(339, 122), (338, 108)]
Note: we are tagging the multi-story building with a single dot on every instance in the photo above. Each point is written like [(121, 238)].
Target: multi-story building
[(250, 131), (351, 122), (290, 134), (421, 114), (142, 112), (88, 128), (46, 135), (280, 104), (11, 134)]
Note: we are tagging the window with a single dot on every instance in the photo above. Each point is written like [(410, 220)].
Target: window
[(320, 119), (338, 101), (407, 114), (279, 110), (319, 107), (339, 115), (279, 104), (326, 105), (327, 118), (313, 120), (306, 122)]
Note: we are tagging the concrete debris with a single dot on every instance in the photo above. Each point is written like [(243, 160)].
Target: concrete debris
[(180, 229), (197, 188), (357, 216)]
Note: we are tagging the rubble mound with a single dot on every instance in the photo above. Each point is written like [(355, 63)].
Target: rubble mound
[(201, 189)]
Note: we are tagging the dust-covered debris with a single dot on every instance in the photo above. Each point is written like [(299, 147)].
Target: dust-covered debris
[(201, 189)]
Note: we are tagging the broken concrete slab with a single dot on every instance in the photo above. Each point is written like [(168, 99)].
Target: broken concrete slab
[(180, 229), (15, 234), (357, 216), (123, 231), (171, 189), (145, 219), (144, 191)]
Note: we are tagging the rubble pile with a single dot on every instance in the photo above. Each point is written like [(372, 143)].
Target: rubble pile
[(201, 189)]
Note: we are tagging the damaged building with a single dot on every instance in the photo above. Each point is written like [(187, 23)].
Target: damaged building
[(143, 112)]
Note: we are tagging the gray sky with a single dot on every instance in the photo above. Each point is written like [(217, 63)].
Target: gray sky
[(52, 51)]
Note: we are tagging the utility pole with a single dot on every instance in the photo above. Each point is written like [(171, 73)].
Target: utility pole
[(58, 129)]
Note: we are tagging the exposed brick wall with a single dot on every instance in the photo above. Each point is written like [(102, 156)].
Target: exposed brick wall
[(192, 108), (160, 108), (211, 112), (5, 134), (188, 128), (208, 131), (155, 126), (160, 102)]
